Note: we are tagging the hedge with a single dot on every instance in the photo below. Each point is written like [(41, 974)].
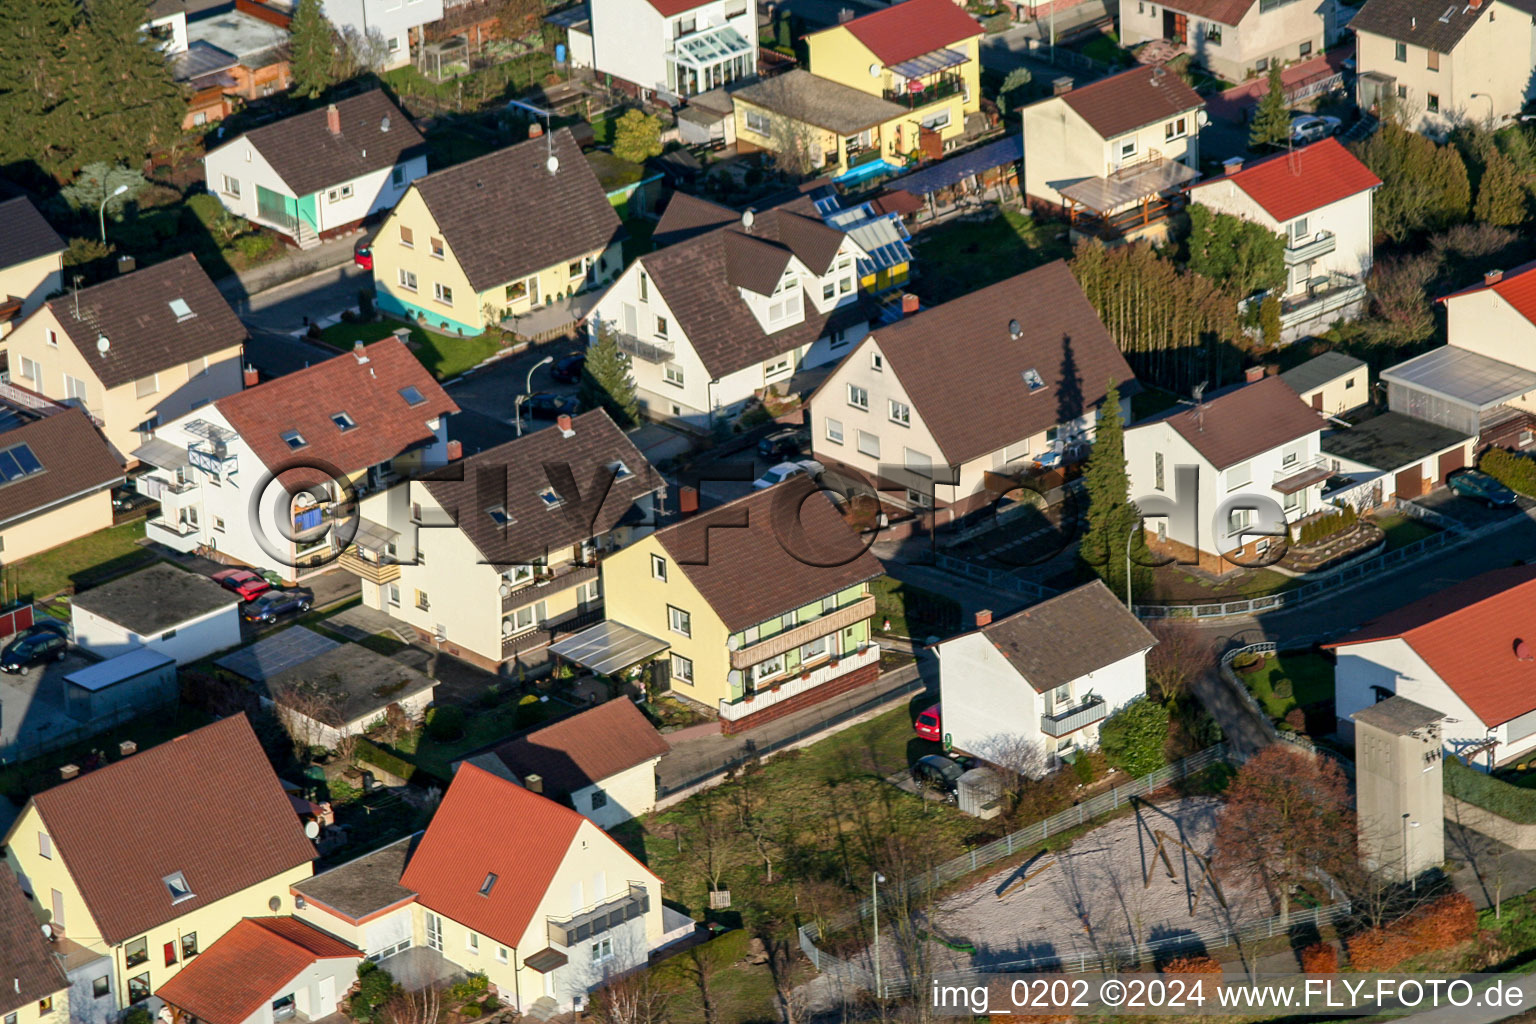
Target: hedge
[(1323, 527), (1514, 472), (1320, 958), (377, 756), (1439, 924), (1491, 794)]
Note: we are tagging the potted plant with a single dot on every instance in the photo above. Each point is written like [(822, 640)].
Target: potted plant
[(748, 698)]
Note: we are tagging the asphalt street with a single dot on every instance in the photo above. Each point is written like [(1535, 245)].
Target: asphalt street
[(273, 316)]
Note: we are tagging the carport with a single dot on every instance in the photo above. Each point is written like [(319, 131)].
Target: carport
[(608, 648)]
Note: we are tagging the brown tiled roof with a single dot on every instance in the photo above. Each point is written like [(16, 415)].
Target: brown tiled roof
[(368, 392), (24, 234), (688, 215), (304, 153), (504, 216), (1225, 12), (754, 263), (695, 277), (1428, 23), (28, 970), (1120, 103), (776, 549), (1068, 636), (512, 475), (143, 333), (964, 371), (1243, 422), (584, 749), (76, 461), (206, 804), (248, 967)]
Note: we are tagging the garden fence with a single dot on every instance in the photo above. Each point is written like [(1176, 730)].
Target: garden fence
[(1002, 579), (46, 742)]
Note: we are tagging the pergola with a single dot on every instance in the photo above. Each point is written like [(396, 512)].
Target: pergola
[(1128, 198)]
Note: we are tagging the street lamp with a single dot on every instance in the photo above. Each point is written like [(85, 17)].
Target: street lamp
[(1128, 538), (1413, 883), (517, 405), (874, 889), (101, 211)]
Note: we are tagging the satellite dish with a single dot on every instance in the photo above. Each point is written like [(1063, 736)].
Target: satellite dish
[(48, 932), (874, 71), (552, 164), (102, 344), (733, 643), (311, 831), (506, 627), (1202, 118), (505, 590), (747, 219)]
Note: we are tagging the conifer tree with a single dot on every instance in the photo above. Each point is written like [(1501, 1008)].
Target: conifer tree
[(1271, 127), (1111, 515), (1500, 194), (607, 382), (134, 105), (39, 125), (311, 50)]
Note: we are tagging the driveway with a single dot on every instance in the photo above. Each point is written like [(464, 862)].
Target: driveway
[(492, 391), (1471, 514)]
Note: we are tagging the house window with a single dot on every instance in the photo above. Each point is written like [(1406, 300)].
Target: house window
[(834, 430), (938, 121), (757, 123), (293, 439), (645, 287), (672, 374), (900, 413), (53, 338), (45, 1004), (407, 279), (1291, 502), (661, 327), (602, 950), (599, 799), (1175, 129), (394, 594), (232, 187), (1127, 148), (422, 602), (1400, 52), (877, 362), (394, 44), (136, 952), (813, 650), (189, 945), (658, 568), (1381, 693), (100, 987), (442, 293), (869, 444), (1299, 229), (774, 367), (44, 846), (858, 397), (31, 371), (1240, 475), (170, 954), (406, 237), (1402, 92), (397, 176), (1213, 33), (1157, 471), (437, 247), (146, 386), (679, 621), (434, 932), (472, 942), (501, 954), (828, 291), (176, 883), (1305, 50), (1432, 103), (138, 988), (1239, 519), (772, 667), (1349, 382), (682, 669)]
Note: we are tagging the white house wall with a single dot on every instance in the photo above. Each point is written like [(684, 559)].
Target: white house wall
[(190, 641), (370, 194), (1350, 220), (631, 40), (306, 988), (629, 794), (391, 19), (242, 161)]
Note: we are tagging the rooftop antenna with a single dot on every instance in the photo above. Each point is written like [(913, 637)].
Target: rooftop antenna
[(1197, 403), (552, 163), (76, 290)]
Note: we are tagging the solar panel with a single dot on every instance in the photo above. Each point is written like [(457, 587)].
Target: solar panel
[(26, 460), (267, 658)]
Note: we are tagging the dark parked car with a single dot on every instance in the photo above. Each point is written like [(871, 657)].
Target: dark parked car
[(1469, 483), (34, 646), (125, 498), (938, 773), (567, 369), (548, 405), (273, 603), (784, 444)]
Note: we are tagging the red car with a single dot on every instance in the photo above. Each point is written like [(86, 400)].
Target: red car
[(243, 582), (927, 725), (362, 255)]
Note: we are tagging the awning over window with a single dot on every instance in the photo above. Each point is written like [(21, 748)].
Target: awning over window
[(608, 647), (159, 452), (373, 536), (712, 47), (929, 63)]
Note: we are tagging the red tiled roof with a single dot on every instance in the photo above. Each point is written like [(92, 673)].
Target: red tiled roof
[(489, 825), (671, 8), (368, 392), (206, 804), (247, 968), (1290, 184), (1517, 287), (1467, 634), (913, 28)]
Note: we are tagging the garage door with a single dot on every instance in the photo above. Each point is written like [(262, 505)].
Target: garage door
[(1410, 482), (1450, 462)]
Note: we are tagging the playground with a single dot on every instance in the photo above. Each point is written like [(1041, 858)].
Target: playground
[(1137, 879)]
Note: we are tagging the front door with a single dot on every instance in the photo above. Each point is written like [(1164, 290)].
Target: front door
[(327, 996), (1175, 27)]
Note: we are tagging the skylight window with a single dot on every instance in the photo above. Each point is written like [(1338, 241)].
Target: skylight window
[(176, 885), (18, 462), (343, 421), (412, 395), (620, 471), (550, 497), (294, 439), (1033, 380), (498, 514), (485, 886), (182, 310)]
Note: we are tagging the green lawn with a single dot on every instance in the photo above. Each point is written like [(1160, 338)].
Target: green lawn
[(1311, 677), (482, 727), (742, 992), (957, 258), (81, 563), (1401, 530), (444, 355), (1174, 585), (1106, 49), (912, 608)]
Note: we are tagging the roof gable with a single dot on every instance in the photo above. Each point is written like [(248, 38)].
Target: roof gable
[(122, 830), (1516, 287), (1131, 99), (911, 29), (74, 457), (1428, 23), (1288, 185), (26, 961), (24, 234), (308, 157), (1242, 422)]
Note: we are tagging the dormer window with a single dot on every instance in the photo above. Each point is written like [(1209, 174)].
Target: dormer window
[(176, 885), (343, 421), (485, 886), (412, 395), (620, 471), (498, 514), (550, 497), (294, 440), (1033, 380)]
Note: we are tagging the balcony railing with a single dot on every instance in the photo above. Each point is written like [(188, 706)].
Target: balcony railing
[(652, 350), (804, 633), (515, 595), (175, 535), (1092, 709), (1302, 474), (793, 685), (354, 562), (931, 92), (601, 918), (860, 157), (1325, 295), (1310, 249)]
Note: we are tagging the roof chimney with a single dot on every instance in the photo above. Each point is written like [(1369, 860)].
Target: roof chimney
[(1522, 652), (69, 771), (1493, 277), (1232, 165), (1253, 374), (533, 782), (333, 119), (127, 748), (359, 351), (1061, 86), (249, 377), (564, 423), (126, 264), (455, 450), (687, 500), (909, 304), (535, 130), (984, 618)]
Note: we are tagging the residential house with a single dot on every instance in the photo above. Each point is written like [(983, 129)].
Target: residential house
[(363, 903), (262, 970), (1391, 456), (736, 307), (1462, 652), (56, 480), (602, 762), (39, 991), (1116, 154), (1319, 199), (251, 35), (1030, 689), (390, 25), (31, 261), (922, 56), (1440, 65), (755, 609), (815, 123), (1196, 472), (999, 380), (1332, 383), (135, 351), (107, 861), (499, 236), (340, 692), (1234, 39), (319, 174), (1482, 381), (268, 476), (669, 48), (174, 611)]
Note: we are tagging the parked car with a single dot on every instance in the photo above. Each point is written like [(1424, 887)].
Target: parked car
[(785, 443), (547, 405), (938, 773), (928, 725), (273, 603), (247, 584), (1307, 128), (567, 369), (362, 255), (1469, 483), (784, 470), (125, 498), (34, 646)]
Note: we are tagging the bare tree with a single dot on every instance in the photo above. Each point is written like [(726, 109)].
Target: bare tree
[(309, 714), (1023, 768), (701, 966), (1182, 655), (634, 998), (750, 801), (710, 833), (796, 150), (424, 1006), (360, 52)]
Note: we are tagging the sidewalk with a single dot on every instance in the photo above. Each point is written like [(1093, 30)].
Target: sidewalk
[(294, 265)]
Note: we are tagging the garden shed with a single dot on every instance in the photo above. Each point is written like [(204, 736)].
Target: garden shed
[(140, 679), (181, 614)]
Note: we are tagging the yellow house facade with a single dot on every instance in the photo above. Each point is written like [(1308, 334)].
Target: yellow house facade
[(36, 989), (31, 261)]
